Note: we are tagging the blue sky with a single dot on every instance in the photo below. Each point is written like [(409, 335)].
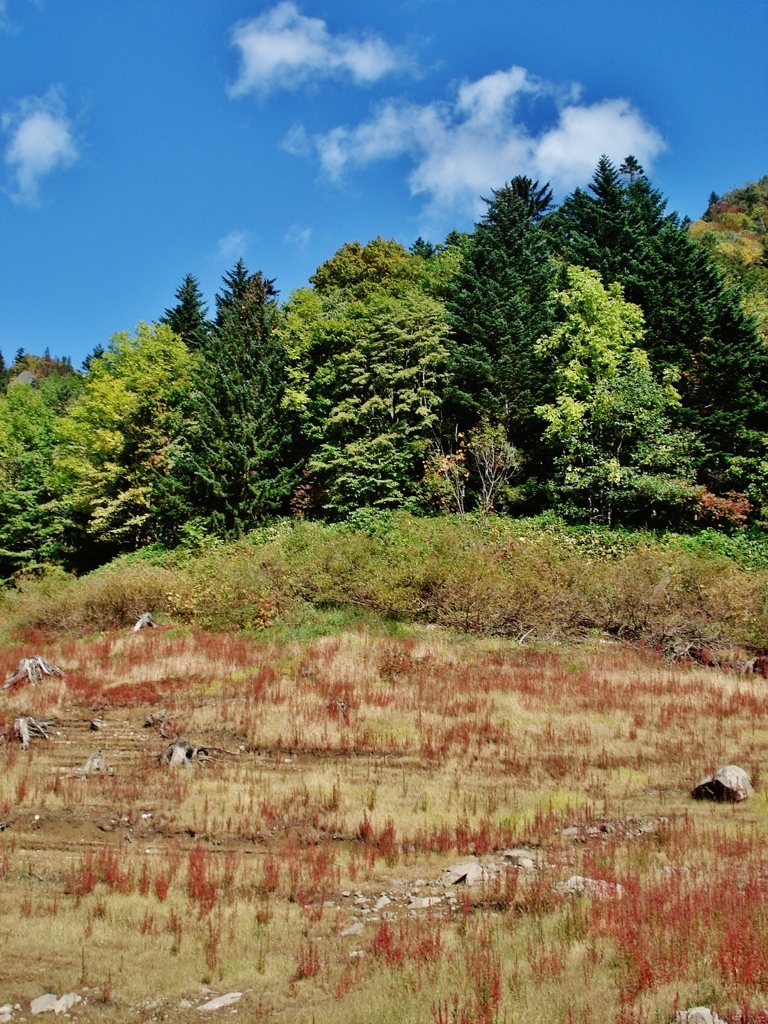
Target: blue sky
[(143, 140)]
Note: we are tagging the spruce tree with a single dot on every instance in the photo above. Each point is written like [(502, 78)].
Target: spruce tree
[(189, 317), (235, 459), (499, 306)]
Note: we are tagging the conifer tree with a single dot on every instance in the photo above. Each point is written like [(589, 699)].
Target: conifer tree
[(234, 464), (189, 317), (499, 305)]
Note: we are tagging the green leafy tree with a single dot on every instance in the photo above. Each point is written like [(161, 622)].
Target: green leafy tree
[(694, 321), (615, 449), (367, 367), (734, 231), (118, 441), (34, 522)]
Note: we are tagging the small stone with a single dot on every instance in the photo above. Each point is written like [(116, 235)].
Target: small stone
[(354, 929), (382, 902), (595, 888), (424, 902), (345, 893), (185, 1004), (220, 1002), (357, 952), (66, 1002)]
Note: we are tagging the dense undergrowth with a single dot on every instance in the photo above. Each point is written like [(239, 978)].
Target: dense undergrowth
[(699, 597)]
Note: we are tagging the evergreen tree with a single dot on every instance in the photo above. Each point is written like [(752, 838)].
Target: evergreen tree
[(234, 463), (189, 317), (693, 320), (423, 248), (499, 304)]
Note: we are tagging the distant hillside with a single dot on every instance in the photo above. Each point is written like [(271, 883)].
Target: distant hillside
[(735, 230)]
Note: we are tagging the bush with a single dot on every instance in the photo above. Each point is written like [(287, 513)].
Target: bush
[(515, 579)]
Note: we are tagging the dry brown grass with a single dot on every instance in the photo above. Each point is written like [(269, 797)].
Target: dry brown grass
[(153, 885)]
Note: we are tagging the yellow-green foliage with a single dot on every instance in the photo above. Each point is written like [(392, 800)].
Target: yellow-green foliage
[(506, 580)]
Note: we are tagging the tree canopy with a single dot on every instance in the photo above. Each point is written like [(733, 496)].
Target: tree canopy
[(600, 357)]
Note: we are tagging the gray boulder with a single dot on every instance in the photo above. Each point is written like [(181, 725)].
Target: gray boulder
[(727, 784), (467, 873)]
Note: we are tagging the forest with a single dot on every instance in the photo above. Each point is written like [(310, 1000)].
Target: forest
[(602, 360)]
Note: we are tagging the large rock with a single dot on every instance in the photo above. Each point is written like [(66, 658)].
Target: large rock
[(730, 783), (466, 874), (43, 1003)]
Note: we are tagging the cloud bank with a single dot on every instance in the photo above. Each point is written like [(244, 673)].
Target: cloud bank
[(41, 142), (460, 149), (282, 49)]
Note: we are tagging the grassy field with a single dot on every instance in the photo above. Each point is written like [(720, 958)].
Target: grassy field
[(303, 864)]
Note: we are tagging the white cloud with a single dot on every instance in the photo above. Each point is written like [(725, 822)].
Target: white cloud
[(298, 236), (41, 141), (283, 49), (232, 246), (460, 150)]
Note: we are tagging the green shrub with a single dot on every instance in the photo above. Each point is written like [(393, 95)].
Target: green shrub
[(515, 579)]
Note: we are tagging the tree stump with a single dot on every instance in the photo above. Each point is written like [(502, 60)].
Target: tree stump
[(97, 762), (181, 754), (31, 671), (144, 621), (26, 727)]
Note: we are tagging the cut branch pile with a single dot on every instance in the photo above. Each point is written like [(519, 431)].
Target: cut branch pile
[(25, 728), (31, 671)]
